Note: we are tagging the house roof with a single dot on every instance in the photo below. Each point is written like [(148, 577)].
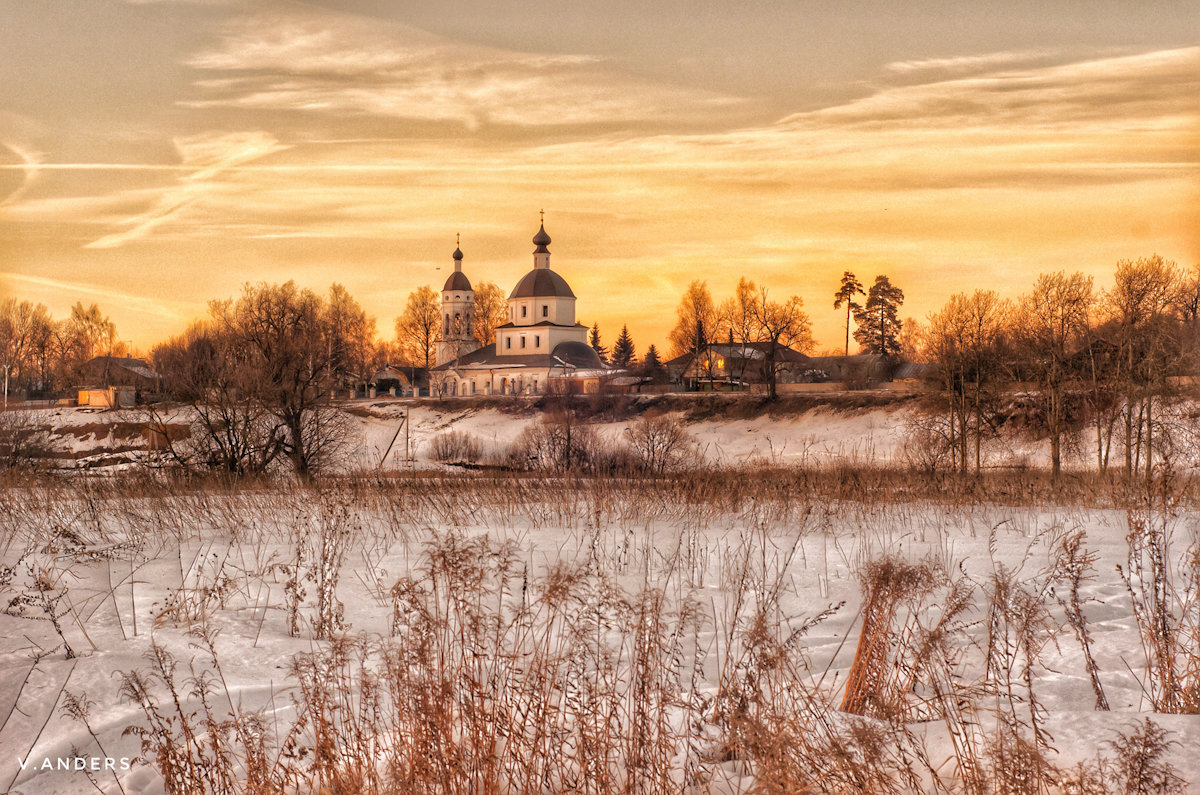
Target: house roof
[(138, 367)]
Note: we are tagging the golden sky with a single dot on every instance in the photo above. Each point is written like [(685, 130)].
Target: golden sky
[(155, 154)]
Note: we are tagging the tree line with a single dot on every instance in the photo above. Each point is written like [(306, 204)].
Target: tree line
[(43, 354), (1102, 360)]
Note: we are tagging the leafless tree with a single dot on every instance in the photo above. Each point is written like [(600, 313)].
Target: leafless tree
[(283, 334), (660, 442), (231, 428), (779, 326), (491, 310), (1148, 338), (966, 338), (696, 321), (1052, 328), (417, 328)]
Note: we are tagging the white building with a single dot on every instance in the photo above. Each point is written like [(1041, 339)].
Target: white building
[(540, 347)]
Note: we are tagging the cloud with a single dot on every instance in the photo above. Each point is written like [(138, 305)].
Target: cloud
[(972, 63), (208, 155), (1159, 86), (75, 290), (180, 2), (31, 163), (327, 63)]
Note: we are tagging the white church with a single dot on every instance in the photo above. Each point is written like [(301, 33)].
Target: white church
[(540, 349)]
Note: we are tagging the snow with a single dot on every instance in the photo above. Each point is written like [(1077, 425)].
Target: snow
[(132, 557)]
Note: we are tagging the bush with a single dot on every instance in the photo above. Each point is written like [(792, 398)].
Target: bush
[(456, 447), (561, 443), (23, 443), (660, 443)]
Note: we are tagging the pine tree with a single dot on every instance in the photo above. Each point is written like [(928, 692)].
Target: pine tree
[(623, 349), (879, 322), (845, 295), (594, 341), (652, 366)]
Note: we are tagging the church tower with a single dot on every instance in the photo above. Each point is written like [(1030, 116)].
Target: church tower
[(541, 309), (457, 336)]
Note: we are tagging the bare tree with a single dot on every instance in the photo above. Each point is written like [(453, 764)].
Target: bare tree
[(966, 339), (780, 326), (351, 337), (1051, 327), (735, 318), (696, 321), (232, 430), (417, 328), (26, 333), (660, 442), (1148, 339), (284, 335), (491, 310)]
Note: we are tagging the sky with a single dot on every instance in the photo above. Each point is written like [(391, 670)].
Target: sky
[(155, 154)]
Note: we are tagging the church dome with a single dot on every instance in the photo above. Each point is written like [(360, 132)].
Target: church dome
[(458, 255), (541, 239), (577, 354), (457, 281), (542, 283)]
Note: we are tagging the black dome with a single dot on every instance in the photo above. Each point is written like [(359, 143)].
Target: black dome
[(457, 254), (542, 283), (541, 238), (577, 354), (457, 281)]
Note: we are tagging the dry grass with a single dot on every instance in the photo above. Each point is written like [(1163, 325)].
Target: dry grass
[(626, 663)]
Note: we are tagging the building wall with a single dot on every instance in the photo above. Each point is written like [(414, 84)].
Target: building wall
[(496, 381), (537, 339), (527, 311)]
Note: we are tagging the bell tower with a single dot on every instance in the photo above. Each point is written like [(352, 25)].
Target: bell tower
[(457, 331)]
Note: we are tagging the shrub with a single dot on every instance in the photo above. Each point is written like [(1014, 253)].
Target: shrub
[(660, 442), (456, 447)]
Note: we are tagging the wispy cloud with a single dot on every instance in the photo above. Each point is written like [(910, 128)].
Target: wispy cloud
[(1157, 87), (73, 290), (319, 62), (962, 64), (208, 155), (31, 163)]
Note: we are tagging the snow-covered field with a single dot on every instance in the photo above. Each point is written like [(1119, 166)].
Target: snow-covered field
[(380, 440), (736, 565)]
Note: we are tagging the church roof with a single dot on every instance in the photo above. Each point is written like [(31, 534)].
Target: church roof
[(542, 283), (578, 355), (541, 324), (541, 240), (457, 281)]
